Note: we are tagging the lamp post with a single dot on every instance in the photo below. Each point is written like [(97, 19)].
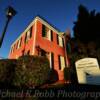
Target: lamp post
[(10, 12)]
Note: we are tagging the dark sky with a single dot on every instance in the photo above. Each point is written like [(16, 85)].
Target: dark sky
[(60, 13)]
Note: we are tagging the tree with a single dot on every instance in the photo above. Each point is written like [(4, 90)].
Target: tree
[(87, 26)]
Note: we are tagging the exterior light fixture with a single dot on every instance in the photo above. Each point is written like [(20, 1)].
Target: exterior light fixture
[(10, 12)]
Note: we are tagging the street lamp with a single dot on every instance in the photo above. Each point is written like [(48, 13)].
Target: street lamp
[(10, 12)]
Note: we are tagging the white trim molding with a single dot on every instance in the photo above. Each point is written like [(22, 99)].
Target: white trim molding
[(34, 40)]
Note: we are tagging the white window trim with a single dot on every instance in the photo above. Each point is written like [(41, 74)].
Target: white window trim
[(62, 62), (34, 40), (60, 39), (50, 61)]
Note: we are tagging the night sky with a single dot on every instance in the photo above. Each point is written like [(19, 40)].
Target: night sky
[(60, 13)]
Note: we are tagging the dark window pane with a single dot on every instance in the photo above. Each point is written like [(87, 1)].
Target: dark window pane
[(28, 53), (16, 45), (30, 32), (57, 39), (59, 62), (43, 31), (20, 42), (23, 52), (51, 35), (42, 53), (25, 38), (52, 60)]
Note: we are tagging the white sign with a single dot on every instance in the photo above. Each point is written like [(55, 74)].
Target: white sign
[(88, 71)]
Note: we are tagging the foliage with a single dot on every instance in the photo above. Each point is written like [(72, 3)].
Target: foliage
[(86, 27), (7, 69), (53, 76), (67, 73), (31, 71)]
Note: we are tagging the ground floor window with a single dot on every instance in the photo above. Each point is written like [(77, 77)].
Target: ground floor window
[(42, 53), (51, 60), (61, 61)]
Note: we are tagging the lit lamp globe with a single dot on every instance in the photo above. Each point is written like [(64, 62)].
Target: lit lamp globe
[(10, 12)]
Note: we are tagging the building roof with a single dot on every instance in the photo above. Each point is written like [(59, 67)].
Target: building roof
[(42, 20)]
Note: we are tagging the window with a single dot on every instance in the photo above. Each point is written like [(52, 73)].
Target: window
[(25, 38), (46, 32), (51, 35), (30, 32), (51, 60), (42, 53), (28, 53), (60, 41), (59, 62), (62, 64), (16, 45), (28, 35), (43, 31), (19, 42), (11, 50), (23, 52), (57, 38)]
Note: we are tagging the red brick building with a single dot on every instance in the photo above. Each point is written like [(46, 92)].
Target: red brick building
[(41, 38)]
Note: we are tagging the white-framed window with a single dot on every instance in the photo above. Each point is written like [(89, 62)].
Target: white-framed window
[(28, 35), (18, 44), (50, 35), (62, 63), (11, 50), (60, 40), (47, 33), (51, 55)]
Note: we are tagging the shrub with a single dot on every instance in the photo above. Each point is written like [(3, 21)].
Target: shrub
[(7, 69), (31, 71), (53, 76), (67, 73)]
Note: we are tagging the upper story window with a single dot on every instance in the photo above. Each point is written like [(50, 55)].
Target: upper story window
[(14, 48), (19, 43), (16, 45), (60, 41), (25, 38), (11, 50), (50, 35), (28, 35), (46, 32)]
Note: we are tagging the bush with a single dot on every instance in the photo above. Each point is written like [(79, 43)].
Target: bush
[(7, 69), (67, 73), (31, 71), (53, 76)]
